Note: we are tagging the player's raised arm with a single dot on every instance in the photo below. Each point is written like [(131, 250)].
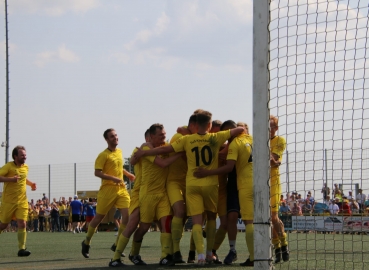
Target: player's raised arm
[(154, 152), (201, 173), (237, 131), (164, 162), (134, 159)]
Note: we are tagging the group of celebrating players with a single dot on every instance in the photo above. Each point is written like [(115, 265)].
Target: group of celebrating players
[(197, 175)]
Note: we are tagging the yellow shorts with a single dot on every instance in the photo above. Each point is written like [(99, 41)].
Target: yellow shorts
[(200, 199), (176, 191), (222, 203), (275, 194), (135, 203), (10, 210), (110, 196), (246, 198), (154, 207)]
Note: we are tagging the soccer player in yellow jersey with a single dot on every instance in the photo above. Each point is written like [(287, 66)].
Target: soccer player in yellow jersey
[(176, 189), (14, 200), (113, 192), (134, 210), (240, 155), (277, 147), (153, 201), (201, 195)]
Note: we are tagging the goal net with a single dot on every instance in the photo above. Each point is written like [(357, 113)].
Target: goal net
[(318, 73)]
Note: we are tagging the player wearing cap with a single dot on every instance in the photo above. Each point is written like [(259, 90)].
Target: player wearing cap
[(113, 192), (14, 200), (277, 147)]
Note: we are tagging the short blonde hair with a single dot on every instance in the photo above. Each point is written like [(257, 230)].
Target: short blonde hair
[(275, 119)]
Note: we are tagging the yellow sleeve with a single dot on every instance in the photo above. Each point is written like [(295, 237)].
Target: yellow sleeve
[(232, 151), (149, 158), (4, 170), (223, 136), (179, 144), (100, 161), (280, 146), (175, 137)]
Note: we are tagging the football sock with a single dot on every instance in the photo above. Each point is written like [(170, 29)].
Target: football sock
[(250, 240), (22, 235)]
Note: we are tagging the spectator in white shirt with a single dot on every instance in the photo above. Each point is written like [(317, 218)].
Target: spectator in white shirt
[(333, 208), (349, 196), (327, 201), (360, 198)]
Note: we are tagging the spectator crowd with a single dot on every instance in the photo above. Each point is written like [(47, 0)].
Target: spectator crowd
[(340, 204), (72, 215)]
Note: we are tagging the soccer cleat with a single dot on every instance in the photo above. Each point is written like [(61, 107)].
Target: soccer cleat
[(85, 250), (166, 261), (247, 263), (114, 247), (177, 257), (191, 257), (209, 259), (216, 258), (201, 260), (23, 253), (116, 263), (278, 255), (136, 260), (231, 257), (285, 253)]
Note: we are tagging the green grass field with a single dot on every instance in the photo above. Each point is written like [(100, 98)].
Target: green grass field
[(63, 251)]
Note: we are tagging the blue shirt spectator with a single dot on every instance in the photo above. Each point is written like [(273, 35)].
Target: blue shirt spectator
[(320, 207), (284, 209), (76, 206)]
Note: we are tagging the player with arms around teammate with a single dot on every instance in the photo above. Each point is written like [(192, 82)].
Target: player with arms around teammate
[(113, 192), (153, 202), (14, 199), (201, 195), (277, 147), (134, 215), (240, 155)]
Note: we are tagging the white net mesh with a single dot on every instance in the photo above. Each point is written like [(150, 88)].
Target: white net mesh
[(319, 89)]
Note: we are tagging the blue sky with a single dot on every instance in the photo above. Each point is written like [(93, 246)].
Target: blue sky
[(79, 67)]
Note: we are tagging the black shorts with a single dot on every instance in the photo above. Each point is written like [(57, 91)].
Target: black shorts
[(76, 218), (233, 203), (117, 214), (83, 218)]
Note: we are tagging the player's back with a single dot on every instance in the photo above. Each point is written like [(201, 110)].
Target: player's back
[(201, 151)]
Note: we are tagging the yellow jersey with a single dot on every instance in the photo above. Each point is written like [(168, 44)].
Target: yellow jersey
[(240, 150), (110, 163), (201, 151), (277, 146), (178, 169), (153, 177), (138, 173), (15, 192)]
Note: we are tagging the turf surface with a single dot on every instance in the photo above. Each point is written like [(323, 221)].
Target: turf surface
[(63, 251)]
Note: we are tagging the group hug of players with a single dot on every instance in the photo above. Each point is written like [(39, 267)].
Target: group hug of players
[(205, 171)]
